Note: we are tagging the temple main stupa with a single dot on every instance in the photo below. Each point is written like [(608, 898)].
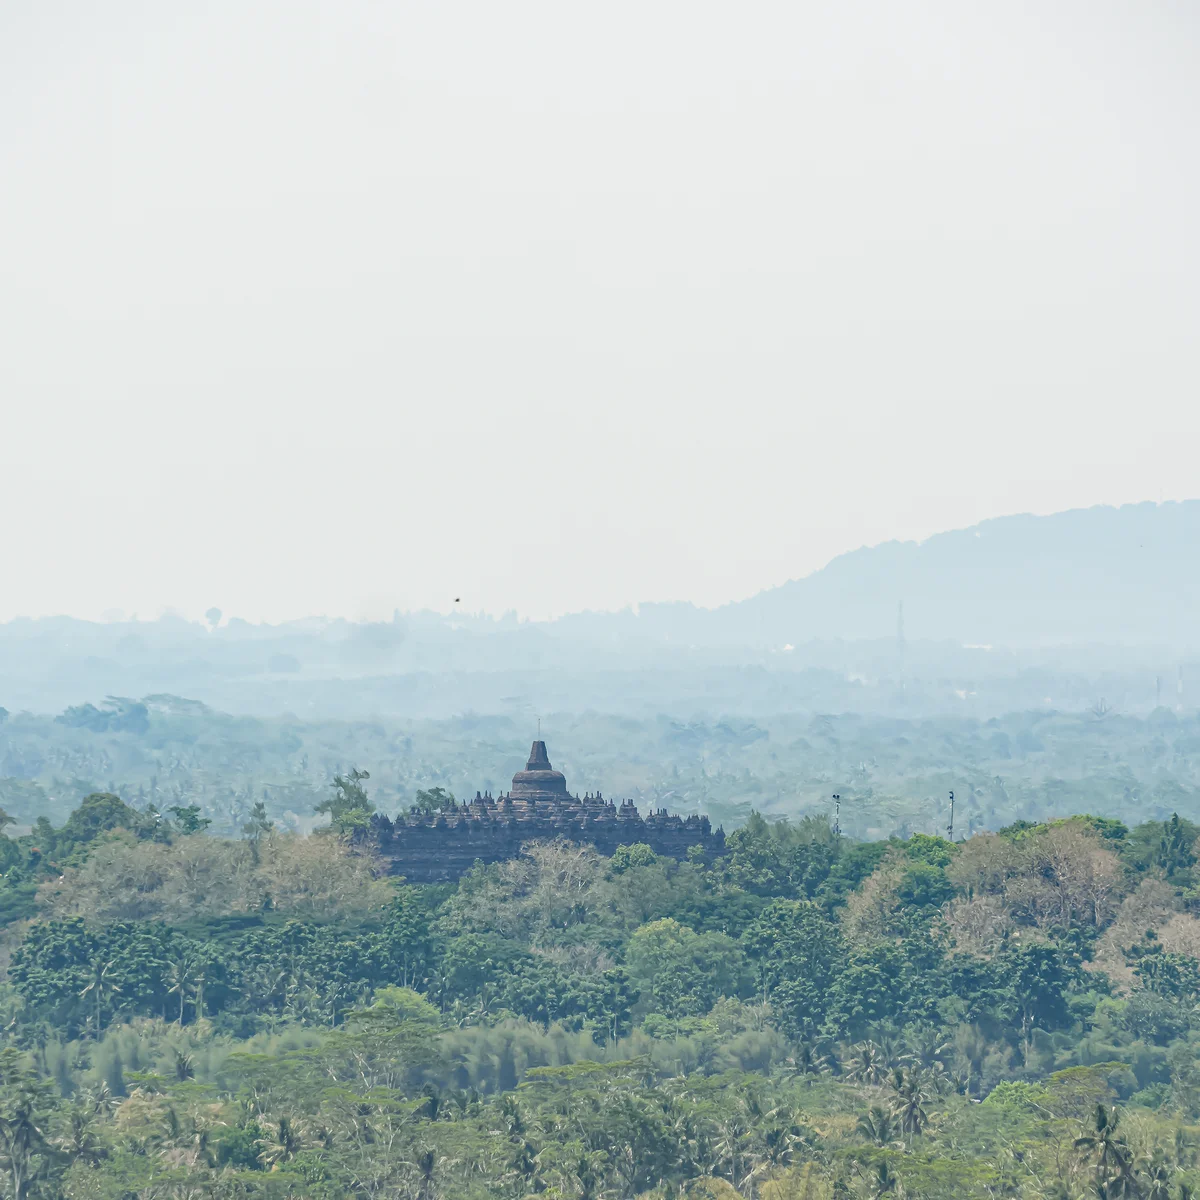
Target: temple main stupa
[(539, 781)]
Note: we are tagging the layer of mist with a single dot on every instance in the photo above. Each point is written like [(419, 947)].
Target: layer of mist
[(1066, 612)]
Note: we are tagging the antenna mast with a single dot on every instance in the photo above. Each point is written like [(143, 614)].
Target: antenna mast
[(950, 827)]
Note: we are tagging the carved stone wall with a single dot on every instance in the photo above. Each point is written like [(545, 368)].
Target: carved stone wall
[(427, 848), (441, 849)]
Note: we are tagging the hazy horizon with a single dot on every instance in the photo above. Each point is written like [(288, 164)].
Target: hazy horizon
[(198, 614), (348, 309)]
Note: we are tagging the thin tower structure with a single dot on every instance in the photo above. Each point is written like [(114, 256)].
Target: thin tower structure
[(950, 827), (837, 815)]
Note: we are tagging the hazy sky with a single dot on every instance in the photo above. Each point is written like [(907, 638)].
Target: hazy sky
[(345, 306)]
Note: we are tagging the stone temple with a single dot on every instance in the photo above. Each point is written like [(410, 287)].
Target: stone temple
[(539, 780), (434, 848)]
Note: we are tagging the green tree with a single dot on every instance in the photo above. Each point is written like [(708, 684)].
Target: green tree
[(101, 987), (1175, 849), (1036, 979), (878, 1126), (188, 819), (798, 953), (866, 1063), (1104, 1142), (683, 973), (636, 855), (912, 1091), (181, 979), (431, 801), (349, 807), (408, 938), (25, 1108), (281, 1143), (98, 813), (256, 828)]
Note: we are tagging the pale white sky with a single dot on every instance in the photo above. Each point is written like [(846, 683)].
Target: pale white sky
[(346, 306)]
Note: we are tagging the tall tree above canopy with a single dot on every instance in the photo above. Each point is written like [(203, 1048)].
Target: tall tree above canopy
[(100, 812), (349, 807)]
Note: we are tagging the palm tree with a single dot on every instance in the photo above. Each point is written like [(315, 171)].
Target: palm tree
[(180, 978), (884, 1181), (78, 1141), (1159, 1181), (282, 1146), (910, 1094), (102, 986), (970, 1047), (688, 1137), (809, 1060), (878, 1126), (730, 1147), (781, 1135), (865, 1064), (1113, 1161), (101, 1099), (332, 999), (198, 993), (511, 1116), (183, 1066), (927, 1045), (267, 981), (889, 1046), (587, 1181), (523, 1164), (754, 1164), (425, 1163), (21, 1136), (1184, 1154)]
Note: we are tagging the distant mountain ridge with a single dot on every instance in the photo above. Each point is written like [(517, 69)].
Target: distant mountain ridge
[(1097, 602), (1126, 575)]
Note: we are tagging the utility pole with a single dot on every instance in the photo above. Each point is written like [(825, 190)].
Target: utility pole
[(837, 815), (950, 827)]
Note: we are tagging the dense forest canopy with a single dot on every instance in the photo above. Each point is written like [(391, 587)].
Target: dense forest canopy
[(1009, 1014), (893, 773)]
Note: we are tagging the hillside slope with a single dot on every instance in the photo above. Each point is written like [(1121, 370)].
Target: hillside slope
[(1128, 575)]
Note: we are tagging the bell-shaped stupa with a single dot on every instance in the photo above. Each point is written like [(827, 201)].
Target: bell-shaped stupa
[(539, 781)]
